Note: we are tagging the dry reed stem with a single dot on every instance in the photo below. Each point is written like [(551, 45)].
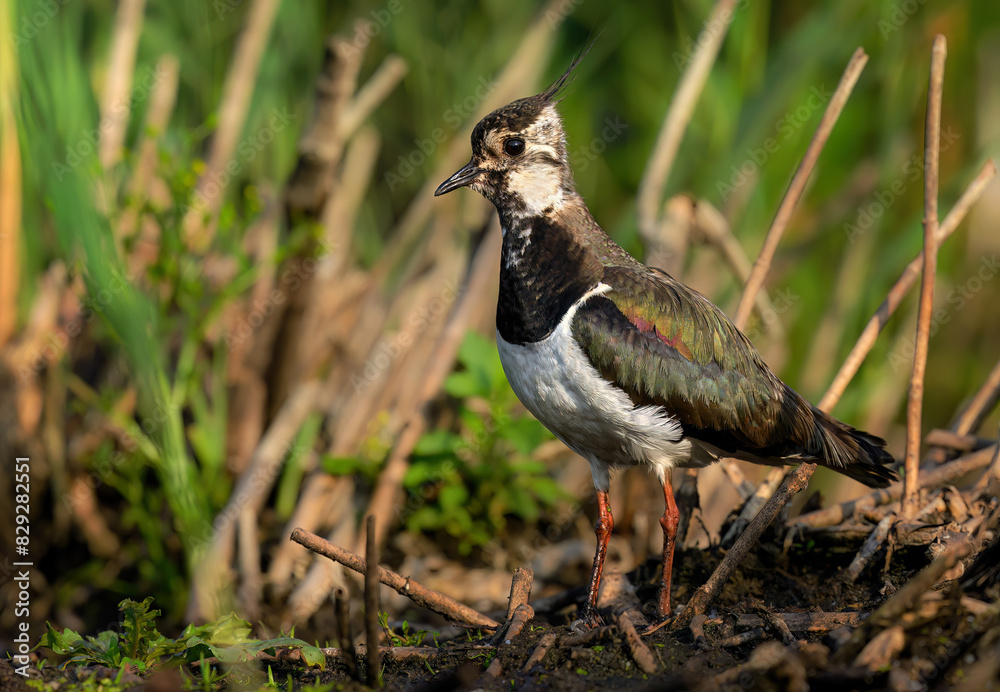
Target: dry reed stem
[(237, 91), (932, 155), (161, 105), (992, 472), (945, 473), (480, 275), (345, 637), (654, 178), (798, 185), (250, 490), (115, 101), (10, 194), (374, 678), (416, 592), (714, 229), (310, 591), (904, 600), (251, 584), (324, 498), (764, 494), (906, 280), (370, 96), (984, 400)]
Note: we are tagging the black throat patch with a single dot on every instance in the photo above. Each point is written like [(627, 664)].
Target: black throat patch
[(543, 271)]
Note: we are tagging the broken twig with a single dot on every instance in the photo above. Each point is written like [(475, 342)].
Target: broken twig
[(419, 594)]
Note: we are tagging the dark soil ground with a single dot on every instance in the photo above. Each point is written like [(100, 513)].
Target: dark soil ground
[(944, 638)]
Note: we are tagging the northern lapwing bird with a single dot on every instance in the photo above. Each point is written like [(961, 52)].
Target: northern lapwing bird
[(624, 364)]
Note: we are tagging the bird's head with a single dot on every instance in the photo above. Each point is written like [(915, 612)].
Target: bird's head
[(519, 159)]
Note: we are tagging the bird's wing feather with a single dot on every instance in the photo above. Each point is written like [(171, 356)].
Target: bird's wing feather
[(666, 344)]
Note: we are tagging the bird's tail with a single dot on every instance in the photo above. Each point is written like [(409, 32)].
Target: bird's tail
[(852, 452)]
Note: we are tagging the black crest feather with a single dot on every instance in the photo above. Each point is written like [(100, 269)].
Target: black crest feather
[(558, 87)]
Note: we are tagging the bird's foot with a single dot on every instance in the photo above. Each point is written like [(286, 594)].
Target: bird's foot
[(589, 619)]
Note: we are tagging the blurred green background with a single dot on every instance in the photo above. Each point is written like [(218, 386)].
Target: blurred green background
[(159, 335)]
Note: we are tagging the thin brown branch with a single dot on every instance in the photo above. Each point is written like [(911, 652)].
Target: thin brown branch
[(992, 472), (544, 644), (983, 401), (901, 602), (641, 653), (115, 101), (419, 594), (372, 633), (798, 184), (871, 546), (711, 226), (932, 155), (959, 443), (946, 473), (806, 622), (522, 615), (345, 637), (654, 179), (517, 606), (903, 284), (708, 592)]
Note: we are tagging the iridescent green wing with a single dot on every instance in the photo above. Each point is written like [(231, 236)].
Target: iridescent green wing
[(666, 344)]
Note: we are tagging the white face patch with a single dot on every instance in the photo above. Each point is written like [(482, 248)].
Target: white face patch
[(538, 186)]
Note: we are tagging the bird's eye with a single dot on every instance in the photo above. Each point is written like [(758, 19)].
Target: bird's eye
[(514, 146)]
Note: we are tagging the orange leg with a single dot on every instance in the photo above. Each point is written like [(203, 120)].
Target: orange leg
[(605, 522), (669, 524)]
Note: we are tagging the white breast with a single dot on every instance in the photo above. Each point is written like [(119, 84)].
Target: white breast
[(555, 380)]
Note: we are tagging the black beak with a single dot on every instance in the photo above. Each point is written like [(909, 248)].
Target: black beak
[(462, 177)]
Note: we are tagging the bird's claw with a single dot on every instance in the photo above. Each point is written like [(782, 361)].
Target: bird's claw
[(588, 620)]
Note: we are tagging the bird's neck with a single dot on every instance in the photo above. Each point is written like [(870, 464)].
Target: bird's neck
[(548, 262)]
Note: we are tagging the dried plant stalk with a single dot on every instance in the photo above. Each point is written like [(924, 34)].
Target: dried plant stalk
[(932, 153)]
